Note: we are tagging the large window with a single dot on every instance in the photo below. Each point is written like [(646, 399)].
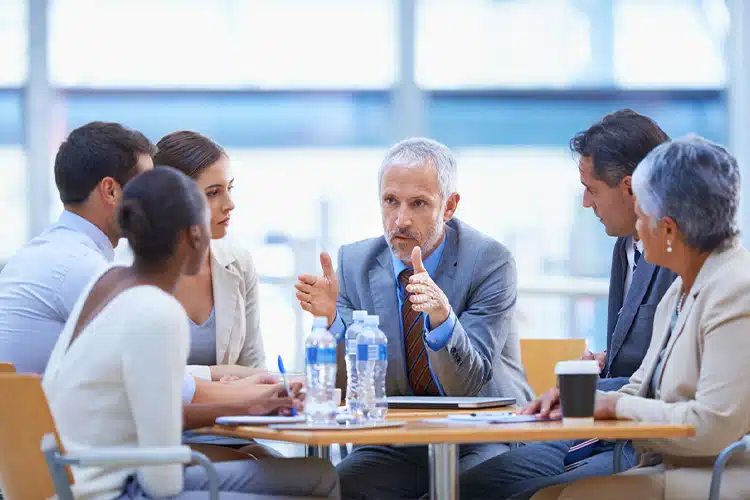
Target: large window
[(301, 94)]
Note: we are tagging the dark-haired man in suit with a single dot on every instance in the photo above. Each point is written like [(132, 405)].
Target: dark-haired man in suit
[(608, 152)]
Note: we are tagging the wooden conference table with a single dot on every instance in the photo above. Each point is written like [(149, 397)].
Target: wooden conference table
[(443, 438)]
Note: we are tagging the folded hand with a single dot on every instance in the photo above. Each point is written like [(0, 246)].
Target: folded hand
[(274, 398), (546, 406), (600, 357)]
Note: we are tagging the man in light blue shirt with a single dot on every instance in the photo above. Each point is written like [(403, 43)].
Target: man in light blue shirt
[(42, 282), (40, 285)]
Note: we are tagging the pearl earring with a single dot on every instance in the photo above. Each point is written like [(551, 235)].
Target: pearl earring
[(669, 246)]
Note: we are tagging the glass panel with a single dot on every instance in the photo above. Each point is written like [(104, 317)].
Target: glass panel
[(670, 43), (483, 43), (223, 43), (13, 201), (288, 186), (501, 191), (13, 34), (567, 43), (499, 188)]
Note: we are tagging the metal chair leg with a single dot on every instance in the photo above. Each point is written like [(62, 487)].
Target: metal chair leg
[(720, 465)]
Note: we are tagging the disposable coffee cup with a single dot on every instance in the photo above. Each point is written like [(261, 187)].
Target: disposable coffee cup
[(577, 383)]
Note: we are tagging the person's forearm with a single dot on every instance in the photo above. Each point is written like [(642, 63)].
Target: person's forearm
[(195, 416), (219, 371), (213, 393)]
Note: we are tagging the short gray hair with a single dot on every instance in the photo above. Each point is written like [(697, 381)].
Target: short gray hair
[(696, 183), (417, 151)]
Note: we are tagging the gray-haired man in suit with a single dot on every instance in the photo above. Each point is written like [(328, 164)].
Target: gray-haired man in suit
[(445, 294), (609, 151)]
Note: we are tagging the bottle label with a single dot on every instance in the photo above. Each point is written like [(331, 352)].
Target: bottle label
[(320, 355), (372, 352), (351, 347)]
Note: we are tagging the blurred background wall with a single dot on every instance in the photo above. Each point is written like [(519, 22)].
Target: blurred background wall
[(307, 95)]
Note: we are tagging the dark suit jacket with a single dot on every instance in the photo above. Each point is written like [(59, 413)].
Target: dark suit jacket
[(478, 275), (631, 318)]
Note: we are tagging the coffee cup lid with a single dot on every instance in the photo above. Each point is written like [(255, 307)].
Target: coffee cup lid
[(579, 367)]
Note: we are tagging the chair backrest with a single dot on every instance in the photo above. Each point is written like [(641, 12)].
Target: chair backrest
[(7, 368), (24, 418), (539, 357)]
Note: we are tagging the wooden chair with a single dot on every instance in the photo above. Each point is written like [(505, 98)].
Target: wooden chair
[(539, 357), (33, 464), (24, 419), (7, 368)]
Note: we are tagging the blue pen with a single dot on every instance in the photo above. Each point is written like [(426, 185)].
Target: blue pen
[(286, 382)]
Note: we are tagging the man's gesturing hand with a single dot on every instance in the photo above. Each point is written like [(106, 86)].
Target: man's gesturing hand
[(426, 296), (318, 294)]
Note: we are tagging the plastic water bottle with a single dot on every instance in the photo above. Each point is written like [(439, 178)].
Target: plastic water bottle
[(352, 380), (320, 374), (372, 362)]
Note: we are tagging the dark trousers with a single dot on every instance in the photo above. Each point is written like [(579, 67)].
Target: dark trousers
[(399, 472), (521, 472)]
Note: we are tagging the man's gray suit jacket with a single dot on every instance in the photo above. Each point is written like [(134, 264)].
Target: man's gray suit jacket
[(478, 275)]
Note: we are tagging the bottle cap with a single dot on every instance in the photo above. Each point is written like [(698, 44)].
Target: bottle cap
[(372, 320)]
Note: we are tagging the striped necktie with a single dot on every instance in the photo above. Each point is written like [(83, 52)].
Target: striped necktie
[(417, 365)]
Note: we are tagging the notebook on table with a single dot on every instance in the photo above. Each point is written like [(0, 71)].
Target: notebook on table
[(501, 417), (447, 403)]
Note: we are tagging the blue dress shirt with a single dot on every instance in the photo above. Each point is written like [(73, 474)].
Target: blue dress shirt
[(40, 285)]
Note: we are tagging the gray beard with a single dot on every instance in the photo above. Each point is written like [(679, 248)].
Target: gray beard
[(431, 241)]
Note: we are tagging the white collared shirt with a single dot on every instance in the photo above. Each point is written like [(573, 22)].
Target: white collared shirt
[(630, 252)]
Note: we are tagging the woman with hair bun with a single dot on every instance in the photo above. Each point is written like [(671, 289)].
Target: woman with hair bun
[(115, 375)]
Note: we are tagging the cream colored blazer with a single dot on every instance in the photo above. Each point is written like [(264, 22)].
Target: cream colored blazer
[(704, 381), (236, 289)]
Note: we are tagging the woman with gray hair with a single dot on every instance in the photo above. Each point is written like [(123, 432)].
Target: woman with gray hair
[(696, 370)]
